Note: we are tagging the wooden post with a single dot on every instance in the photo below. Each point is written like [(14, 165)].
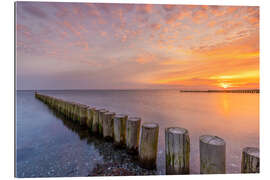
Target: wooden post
[(69, 110), (177, 149), (212, 155), (95, 120), (148, 145), (90, 114), (72, 108), (61, 106), (65, 108), (119, 129), (250, 160), (58, 105), (53, 103), (82, 114), (101, 116), (76, 112), (133, 134), (108, 125)]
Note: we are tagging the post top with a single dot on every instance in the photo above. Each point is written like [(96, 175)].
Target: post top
[(99, 109), (150, 125), (213, 140), (253, 151), (177, 130), (120, 116), (109, 113), (93, 107), (134, 119), (103, 110)]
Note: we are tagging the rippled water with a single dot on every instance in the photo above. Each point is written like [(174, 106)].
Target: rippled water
[(46, 146)]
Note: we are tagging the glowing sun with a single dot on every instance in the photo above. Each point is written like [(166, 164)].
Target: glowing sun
[(225, 85)]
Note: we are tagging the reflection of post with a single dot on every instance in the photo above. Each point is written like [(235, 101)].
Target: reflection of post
[(119, 129), (177, 150), (133, 134), (108, 125), (250, 160), (148, 145), (212, 155)]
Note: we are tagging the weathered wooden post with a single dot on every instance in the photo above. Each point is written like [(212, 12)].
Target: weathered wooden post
[(148, 145), (212, 155), (65, 108), (101, 116), (71, 110), (82, 114), (177, 149), (95, 120), (76, 112), (53, 103), (58, 105), (68, 113), (133, 134), (62, 107), (119, 129), (90, 114), (108, 125), (250, 160)]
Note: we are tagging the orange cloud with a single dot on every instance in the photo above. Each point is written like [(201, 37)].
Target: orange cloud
[(145, 58), (199, 16), (103, 33), (211, 23), (179, 15), (145, 8), (71, 28), (155, 26)]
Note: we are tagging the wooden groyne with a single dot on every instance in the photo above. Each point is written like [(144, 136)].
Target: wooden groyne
[(142, 140), (223, 91)]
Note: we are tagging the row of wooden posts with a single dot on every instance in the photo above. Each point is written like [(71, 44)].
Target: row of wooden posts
[(124, 131)]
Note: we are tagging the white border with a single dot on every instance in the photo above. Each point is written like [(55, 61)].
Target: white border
[(7, 86)]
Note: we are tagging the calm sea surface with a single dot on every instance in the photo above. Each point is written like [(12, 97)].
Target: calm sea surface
[(46, 146)]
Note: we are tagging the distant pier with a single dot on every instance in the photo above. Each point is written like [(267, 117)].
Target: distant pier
[(224, 91)]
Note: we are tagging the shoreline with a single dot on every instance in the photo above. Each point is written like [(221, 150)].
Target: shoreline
[(117, 162)]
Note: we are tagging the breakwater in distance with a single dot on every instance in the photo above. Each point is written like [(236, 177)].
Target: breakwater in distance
[(224, 91), (141, 140)]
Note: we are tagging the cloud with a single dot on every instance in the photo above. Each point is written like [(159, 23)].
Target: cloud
[(168, 7), (199, 16), (145, 58), (179, 14), (71, 28), (218, 11), (103, 33), (34, 10), (144, 8), (155, 26), (211, 23)]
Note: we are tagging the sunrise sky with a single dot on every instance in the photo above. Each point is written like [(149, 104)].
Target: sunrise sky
[(127, 46)]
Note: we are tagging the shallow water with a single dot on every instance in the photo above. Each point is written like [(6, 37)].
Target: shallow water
[(47, 147)]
